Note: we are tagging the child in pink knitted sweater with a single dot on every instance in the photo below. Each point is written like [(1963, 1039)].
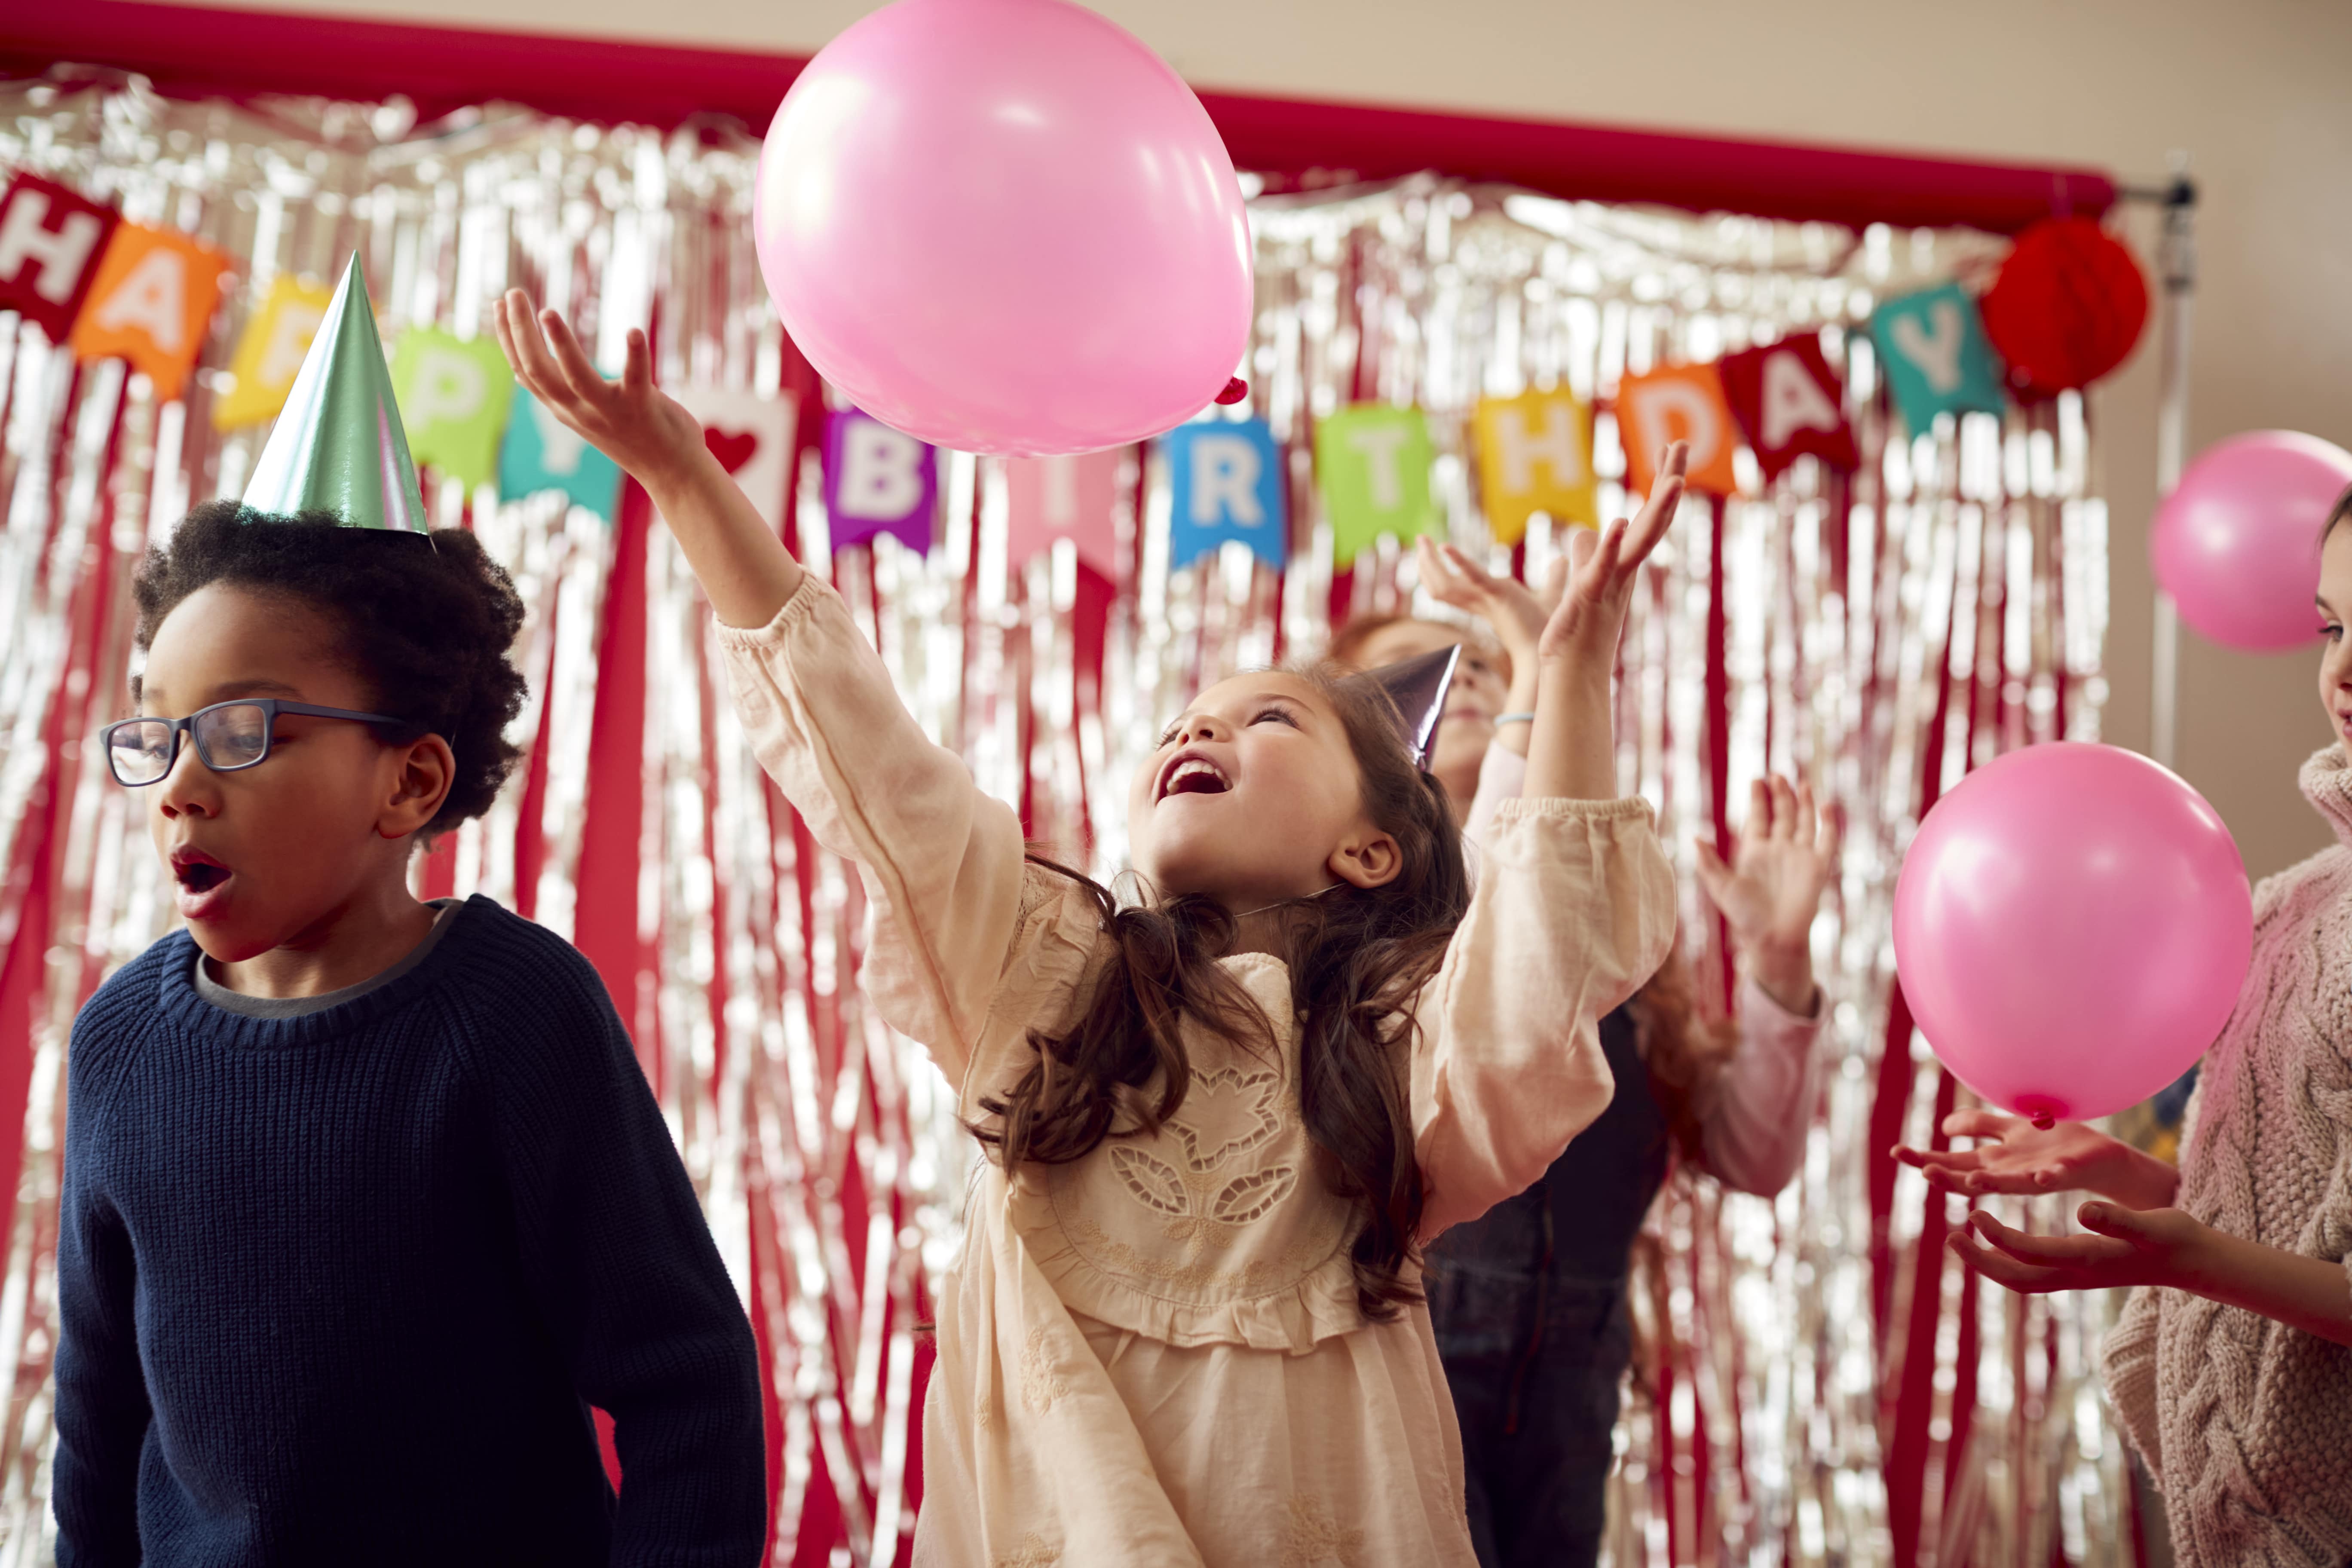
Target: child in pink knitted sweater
[(2232, 1368)]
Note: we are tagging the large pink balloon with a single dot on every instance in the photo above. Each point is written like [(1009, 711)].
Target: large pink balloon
[(1005, 225), (2071, 926), (2237, 542)]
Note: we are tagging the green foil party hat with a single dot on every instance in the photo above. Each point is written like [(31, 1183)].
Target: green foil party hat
[(337, 444)]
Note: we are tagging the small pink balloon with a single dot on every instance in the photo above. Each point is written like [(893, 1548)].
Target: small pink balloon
[(1006, 227), (2237, 542), (2072, 928)]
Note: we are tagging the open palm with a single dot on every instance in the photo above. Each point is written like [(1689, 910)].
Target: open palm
[(1602, 569), (1516, 611), (631, 420), (2013, 1155), (1771, 887)]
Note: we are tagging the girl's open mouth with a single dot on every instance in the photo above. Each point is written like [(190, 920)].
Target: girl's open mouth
[(1189, 773)]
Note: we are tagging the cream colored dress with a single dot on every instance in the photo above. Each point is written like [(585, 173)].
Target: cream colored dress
[(1154, 1356)]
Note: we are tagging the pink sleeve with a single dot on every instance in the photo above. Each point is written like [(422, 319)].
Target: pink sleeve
[(1502, 777), (1761, 1105)]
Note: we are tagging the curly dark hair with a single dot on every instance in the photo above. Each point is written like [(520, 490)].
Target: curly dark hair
[(427, 628)]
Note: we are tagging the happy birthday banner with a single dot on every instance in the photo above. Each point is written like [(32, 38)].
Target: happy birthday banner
[(879, 481), (111, 288), (107, 288), (1071, 498), (1783, 401), (1224, 483)]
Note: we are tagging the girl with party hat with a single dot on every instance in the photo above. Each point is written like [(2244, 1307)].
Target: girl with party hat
[(1187, 1326), (1531, 1302), (365, 1201)]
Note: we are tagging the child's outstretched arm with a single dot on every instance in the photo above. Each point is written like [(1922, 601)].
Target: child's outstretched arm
[(941, 862), (1752, 1128), (744, 569), (2165, 1247), (1517, 612), (2137, 1237), (1574, 910), (2012, 1155), (1572, 749)]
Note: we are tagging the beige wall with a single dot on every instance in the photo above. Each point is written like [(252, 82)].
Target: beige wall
[(2258, 92)]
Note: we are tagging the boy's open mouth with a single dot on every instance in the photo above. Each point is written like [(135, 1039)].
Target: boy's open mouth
[(196, 872), (1189, 772)]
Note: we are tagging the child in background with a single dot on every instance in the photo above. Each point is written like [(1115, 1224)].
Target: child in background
[(365, 1200), (1529, 1301), (1186, 1327), (2232, 1368)]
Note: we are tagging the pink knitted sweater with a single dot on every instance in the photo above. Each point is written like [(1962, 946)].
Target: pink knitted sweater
[(2246, 1423)]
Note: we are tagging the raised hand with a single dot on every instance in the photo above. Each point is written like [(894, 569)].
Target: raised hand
[(2128, 1246), (631, 420), (2164, 1247), (1571, 754), (2012, 1155), (1505, 604), (1602, 570), (1771, 890), (744, 569)]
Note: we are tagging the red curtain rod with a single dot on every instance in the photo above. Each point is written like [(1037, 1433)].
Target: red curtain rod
[(193, 51)]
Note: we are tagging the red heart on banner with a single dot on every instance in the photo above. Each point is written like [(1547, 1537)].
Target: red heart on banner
[(733, 449)]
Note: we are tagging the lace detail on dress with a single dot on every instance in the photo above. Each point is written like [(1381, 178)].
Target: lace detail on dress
[(1251, 1278), (1041, 1384), (1223, 1097), (1033, 1553), (1202, 1210), (1215, 1227), (1311, 1538), (1234, 1113)]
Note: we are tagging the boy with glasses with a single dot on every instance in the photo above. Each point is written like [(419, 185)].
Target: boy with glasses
[(366, 1202)]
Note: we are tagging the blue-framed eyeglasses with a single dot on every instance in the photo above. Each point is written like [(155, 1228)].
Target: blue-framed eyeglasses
[(229, 736)]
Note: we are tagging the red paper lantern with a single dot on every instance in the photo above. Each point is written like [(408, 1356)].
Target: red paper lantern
[(2067, 307)]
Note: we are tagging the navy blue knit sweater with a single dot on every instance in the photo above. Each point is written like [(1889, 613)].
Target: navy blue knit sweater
[(341, 1288)]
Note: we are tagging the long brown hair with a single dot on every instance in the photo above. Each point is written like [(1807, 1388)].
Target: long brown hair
[(1682, 1045), (1356, 955)]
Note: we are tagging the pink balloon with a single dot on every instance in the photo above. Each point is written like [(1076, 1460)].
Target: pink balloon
[(2237, 542), (2072, 927), (1006, 227)]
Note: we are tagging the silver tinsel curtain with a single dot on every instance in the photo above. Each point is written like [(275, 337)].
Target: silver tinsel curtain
[(1816, 1384)]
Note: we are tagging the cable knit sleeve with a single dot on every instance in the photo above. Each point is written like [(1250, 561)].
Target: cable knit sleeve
[(2128, 1364), (2127, 1357), (1574, 910), (2330, 1095), (942, 863)]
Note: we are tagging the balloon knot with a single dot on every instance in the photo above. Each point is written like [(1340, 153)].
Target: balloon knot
[(1235, 390), (2043, 1121)]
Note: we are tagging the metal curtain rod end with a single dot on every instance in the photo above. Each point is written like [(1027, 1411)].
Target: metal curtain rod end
[(2179, 191)]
